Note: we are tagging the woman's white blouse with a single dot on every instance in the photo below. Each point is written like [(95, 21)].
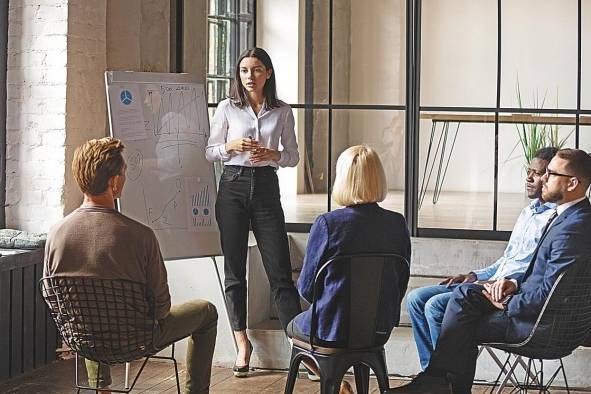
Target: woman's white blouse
[(271, 127)]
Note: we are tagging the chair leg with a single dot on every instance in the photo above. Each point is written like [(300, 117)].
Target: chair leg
[(510, 375), (496, 359), (537, 381), (329, 385), (129, 387), (176, 369), (564, 376), (137, 376), (530, 363), (126, 375), (331, 374), (501, 365), (98, 375), (292, 375), (361, 378), (176, 375), (542, 387), (380, 369), (76, 371), (534, 377)]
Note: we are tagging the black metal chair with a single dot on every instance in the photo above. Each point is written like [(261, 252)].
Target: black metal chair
[(562, 325), (109, 321), (370, 276), (504, 367)]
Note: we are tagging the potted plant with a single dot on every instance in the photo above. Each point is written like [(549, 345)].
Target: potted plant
[(533, 136)]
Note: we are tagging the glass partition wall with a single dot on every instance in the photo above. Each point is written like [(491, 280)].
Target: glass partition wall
[(498, 78), (344, 89), (447, 92)]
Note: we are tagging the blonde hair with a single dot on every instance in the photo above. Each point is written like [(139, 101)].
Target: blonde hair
[(360, 177), (96, 162)]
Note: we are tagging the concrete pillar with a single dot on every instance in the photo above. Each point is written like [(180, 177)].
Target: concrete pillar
[(85, 91)]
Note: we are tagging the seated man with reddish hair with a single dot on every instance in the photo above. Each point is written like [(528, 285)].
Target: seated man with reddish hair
[(98, 241)]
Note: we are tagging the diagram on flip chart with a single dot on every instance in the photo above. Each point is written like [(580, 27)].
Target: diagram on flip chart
[(135, 164), (201, 208), (166, 213), (175, 120), (174, 138), (163, 122)]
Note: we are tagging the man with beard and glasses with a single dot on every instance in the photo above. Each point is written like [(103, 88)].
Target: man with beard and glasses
[(506, 311)]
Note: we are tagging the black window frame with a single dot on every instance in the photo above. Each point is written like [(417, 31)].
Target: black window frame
[(3, 71), (494, 233), (413, 109), (238, 42)]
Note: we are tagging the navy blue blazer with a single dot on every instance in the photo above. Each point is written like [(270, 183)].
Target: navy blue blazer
[(566, 243), (364, 228)]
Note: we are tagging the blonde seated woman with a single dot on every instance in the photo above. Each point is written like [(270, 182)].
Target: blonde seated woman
[(361, 226)]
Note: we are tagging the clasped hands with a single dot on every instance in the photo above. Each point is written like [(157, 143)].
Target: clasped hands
[(496, 292), (258, 153)]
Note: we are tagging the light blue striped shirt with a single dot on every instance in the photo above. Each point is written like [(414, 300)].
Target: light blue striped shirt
[(524, 239)]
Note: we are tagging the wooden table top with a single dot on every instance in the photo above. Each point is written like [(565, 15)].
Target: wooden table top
[(511, 118)]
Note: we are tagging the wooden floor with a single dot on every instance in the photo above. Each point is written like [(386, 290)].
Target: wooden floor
[(453, 210), (158, 377)]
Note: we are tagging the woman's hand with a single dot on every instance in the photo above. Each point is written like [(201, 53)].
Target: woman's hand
[(264, 154), (241, 145)]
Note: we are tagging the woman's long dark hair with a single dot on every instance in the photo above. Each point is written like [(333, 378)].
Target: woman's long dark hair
[(238, 94)]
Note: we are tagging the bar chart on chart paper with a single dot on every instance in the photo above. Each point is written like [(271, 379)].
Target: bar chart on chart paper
[(201, 204)]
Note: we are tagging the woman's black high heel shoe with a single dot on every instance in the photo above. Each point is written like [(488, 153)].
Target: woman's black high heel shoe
[(242, 371)]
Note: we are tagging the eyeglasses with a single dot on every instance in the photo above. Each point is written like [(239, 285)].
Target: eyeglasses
[(550, 173)]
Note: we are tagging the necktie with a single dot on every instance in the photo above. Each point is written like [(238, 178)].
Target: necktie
[(548, 223)]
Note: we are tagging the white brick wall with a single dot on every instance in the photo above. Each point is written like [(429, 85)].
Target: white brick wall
[(57, 55), (36, 113)]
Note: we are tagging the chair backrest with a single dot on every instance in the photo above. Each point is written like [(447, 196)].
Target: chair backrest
[(372, 291), (106, 320), (565, 319)]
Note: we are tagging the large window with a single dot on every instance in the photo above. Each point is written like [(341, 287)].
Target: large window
[(231, 31), (442, 89), (493, 74), (341, 66)]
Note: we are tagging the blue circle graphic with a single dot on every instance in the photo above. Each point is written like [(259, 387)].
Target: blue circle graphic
[(205, 211), (126, 97), (195, 211)]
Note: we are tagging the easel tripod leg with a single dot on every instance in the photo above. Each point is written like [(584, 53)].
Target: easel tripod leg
[(221, 287)]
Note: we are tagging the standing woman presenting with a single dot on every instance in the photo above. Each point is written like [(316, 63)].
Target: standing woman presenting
[(245, 134)]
